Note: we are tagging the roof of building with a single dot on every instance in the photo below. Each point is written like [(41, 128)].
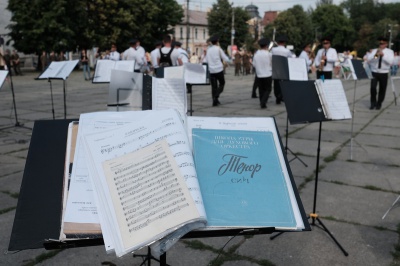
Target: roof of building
[(195, 17)]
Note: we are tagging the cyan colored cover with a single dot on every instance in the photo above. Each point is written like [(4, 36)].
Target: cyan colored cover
[(241, 179)]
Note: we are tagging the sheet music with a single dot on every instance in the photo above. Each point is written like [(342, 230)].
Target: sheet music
[(59, 70), (250, 124), (104, 67), (195, 74), (169, 94), (335, 101), (126, 88), (353, 72), (3, 75), (175, 72), (297, 69), (158, 125), (148, 193)]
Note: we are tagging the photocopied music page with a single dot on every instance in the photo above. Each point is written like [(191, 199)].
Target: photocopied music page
[(81, 202), (175, 72), (334, 98), (3, 75), (194, 74), (164, 124), (297, 69), (148, 194), (169, 94)]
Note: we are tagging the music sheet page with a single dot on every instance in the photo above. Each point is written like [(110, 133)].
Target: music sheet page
[(297, 69), (195, 74), (3, 75), (125, 65), (334, 97), (103, 70), (165, 124), (148, 193), (175, 72), (169, 94)]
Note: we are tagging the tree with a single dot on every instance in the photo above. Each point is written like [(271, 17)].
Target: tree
[(295, 23), (331, 21), (60, 24), (220, 23)]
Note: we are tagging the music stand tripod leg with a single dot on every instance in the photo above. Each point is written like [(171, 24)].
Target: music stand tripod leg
[(287, 148), (391, 207), (17, 123), (52, 101)]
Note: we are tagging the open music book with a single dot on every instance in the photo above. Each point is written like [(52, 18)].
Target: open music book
[(333, 99), (150, 175), (59, 70), (102, 73), (285, 68)]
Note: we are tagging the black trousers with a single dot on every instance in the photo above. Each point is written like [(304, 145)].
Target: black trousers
[(382, 79), (326, 74), (217, 81), (278, 91), (255, 85), (264, 89)]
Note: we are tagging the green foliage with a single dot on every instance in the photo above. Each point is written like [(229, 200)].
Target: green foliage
[(58, 25), (295, 23), (331, 21), (220, 23)]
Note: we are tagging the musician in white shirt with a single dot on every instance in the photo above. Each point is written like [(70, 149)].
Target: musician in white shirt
[(262, 62), (326, 59), (380, 60), (114, 54), (282, 51)]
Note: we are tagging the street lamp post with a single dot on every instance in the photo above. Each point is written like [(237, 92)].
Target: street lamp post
[(233, 29)]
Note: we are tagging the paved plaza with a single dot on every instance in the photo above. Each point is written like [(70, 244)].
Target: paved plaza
[(358, 180)]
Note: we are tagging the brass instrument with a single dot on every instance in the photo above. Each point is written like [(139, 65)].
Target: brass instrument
[(313, 48), (322, 63), (271, 45), (378, 53)]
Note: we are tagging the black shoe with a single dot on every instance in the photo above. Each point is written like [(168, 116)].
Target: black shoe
[(218, 103), (278, 101), (254, 96), (372, 106), (378, 106), (263, 106)]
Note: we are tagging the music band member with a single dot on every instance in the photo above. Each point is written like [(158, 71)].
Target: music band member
[(325, 59), (380, 60), (307, 55)]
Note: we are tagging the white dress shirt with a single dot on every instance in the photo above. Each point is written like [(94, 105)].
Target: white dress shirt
[(305, 56), (140, 57), (129, 54), (262, 62), (114, 56), (331, 58), (154, 57), (214, 57), (387, 60), (282, 51)]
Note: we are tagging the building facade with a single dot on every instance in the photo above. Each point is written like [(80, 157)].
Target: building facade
[(192, 32)]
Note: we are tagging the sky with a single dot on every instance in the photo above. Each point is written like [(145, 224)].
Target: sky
[(263, 5)]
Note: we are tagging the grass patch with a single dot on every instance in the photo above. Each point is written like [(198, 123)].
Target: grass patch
[(370, 187), (337, 182), (3, 211), (13, 195), (42, 257), (332, 157), (396, 252)]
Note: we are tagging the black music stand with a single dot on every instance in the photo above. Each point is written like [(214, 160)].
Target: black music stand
[(2, 78), (289, 69), (37, 220), (304, 106), (358, 72), (58, 70)]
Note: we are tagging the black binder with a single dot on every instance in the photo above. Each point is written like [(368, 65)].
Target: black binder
[(302, 102)]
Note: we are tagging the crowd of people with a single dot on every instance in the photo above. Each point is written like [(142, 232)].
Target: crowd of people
[(324, 63)]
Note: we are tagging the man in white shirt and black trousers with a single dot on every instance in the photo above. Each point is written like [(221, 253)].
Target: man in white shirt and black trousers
[(325, 59), (380, 60), (262, 62), (280, 50), (215, 56)]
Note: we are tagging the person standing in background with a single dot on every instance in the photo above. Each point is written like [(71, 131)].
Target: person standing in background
[(280, 50), (380, 60), (114, 54), (262, 62), (85, 65), (326, 59)]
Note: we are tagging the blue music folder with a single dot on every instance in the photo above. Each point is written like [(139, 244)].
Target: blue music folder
[(241, 179)]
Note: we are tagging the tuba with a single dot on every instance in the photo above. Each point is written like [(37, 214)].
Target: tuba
[(313, 48)]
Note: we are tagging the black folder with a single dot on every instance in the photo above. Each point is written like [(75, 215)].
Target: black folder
[(302, 102)]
